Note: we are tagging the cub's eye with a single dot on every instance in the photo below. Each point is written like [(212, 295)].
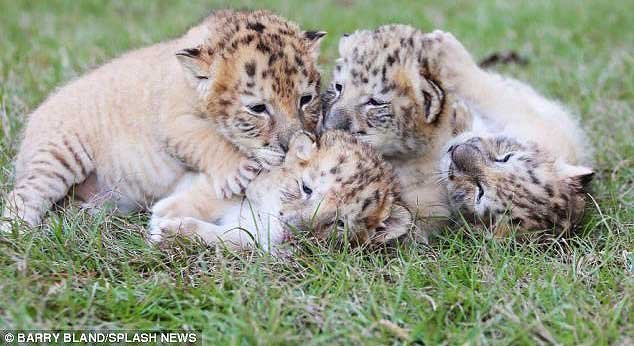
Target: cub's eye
[(338, 87), (304, 100), (202, 77), (480, 191), (257, 108), (505, 158), (374, 102), (307, 190), (341, 224)]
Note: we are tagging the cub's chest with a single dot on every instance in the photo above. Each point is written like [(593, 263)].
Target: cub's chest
[(415, 174), (422, 188)]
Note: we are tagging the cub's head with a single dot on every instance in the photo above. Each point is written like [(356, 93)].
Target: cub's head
[(385, 92), (502, 182), (337, 187), (257, 79)]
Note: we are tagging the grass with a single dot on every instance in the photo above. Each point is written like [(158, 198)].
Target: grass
[(84, 271)]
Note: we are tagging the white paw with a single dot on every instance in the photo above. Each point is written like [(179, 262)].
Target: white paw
[(448, 44), (453, 59), (155, 232), (268, 157), (237, 182), (249, 168), (159, 228)]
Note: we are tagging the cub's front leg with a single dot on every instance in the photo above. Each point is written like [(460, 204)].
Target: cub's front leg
[(196, 143), (193, 197), (192, 211), (450, 61), (233, 179), (233, 238)]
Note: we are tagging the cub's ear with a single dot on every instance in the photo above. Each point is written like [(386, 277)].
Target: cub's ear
[(398, 223), (314, 41), (196, 62), (433, 98), (430, 89), (578, 177), (302, 146)]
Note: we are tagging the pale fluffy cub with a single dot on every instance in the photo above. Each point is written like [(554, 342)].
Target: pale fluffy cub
[(336, 185), (221, 101), (524, 161), (386, 92)]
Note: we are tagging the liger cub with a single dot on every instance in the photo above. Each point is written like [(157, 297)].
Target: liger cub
[(524, 163), (336, 187), (386, 92), (220, 102), (411, 95)]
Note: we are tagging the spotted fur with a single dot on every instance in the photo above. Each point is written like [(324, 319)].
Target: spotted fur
[(221, 101), (337, 187), (505, 183), (386, 91), (523, 162)]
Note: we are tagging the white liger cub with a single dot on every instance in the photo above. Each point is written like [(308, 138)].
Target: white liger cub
[(221, 103), (523, 164), (337, 187)]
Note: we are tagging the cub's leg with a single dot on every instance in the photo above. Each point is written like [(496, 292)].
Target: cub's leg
[(193, 199), (44, 177), (234, 238), (231, 171), (450, 60), (494, 95)]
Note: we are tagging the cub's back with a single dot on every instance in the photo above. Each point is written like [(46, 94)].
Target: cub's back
[(116, 101)]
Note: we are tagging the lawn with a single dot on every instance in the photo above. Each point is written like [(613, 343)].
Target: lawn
[(82, 271)]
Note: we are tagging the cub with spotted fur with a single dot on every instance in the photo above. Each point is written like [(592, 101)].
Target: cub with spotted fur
[(221, 101), (524, 163), (334, 185), (385, 92), (408, 93)]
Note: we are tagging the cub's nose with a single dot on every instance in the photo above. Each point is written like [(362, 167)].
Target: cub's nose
[(466, 158)]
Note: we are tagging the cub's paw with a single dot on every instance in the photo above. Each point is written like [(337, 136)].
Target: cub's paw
[(237, 182), (451, 58), (159, 228), (461, 118), (269, 157)]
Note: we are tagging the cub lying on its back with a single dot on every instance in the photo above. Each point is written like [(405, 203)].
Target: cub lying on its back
[(223, 100), (522, 163), (504, 182), (337, 185)]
